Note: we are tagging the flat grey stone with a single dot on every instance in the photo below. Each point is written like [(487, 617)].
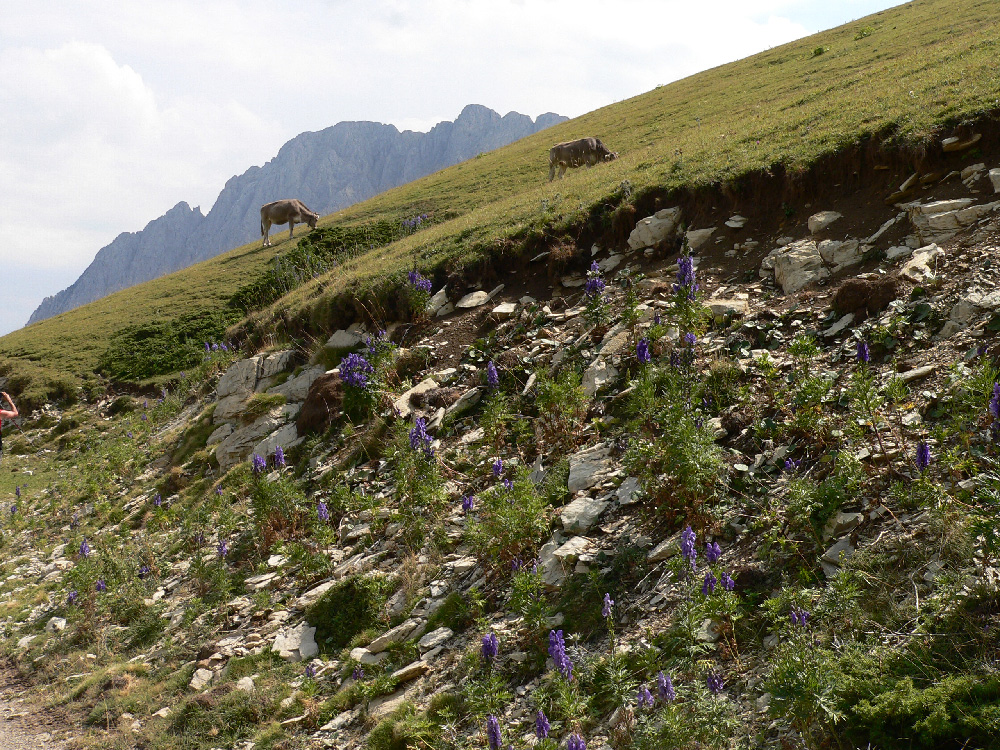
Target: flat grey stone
[(435, 638), (472, 299), (581, 514), (586, 466)]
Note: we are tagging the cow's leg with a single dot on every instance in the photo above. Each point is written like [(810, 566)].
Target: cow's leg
[(562, 170), (266, 231), (291, 229), (552, 170)]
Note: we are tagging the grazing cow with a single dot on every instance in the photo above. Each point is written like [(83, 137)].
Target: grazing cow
[(290, 211), (587, 151)]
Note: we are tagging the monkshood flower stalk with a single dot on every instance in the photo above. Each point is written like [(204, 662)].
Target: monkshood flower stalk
[(468, 503), (799, 616), (686, 285), (490, 647), (258, 464), (557, 650), (575, 742), (645, 698), (493, 732), (492, 376), (715, 683), (923, 457), (356, 371), (542, 726), (665, 688), (687, 546), (642, 352), (322, 512), (712, 552), (995, 412), (596, 302), (418, 282), (279, 457), (419, 439)]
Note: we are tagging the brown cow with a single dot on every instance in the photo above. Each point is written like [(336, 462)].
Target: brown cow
[(290, 211), (587, 151)]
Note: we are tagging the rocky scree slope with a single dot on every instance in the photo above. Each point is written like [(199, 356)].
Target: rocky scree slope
[(766, 473), (328, 170)]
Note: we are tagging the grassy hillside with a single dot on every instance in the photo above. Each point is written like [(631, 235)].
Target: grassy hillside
[(902, 74)]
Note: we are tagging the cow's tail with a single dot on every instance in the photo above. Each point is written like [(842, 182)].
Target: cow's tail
[(262, 226)]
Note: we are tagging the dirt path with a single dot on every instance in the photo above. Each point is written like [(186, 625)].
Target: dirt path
[(22, 726)]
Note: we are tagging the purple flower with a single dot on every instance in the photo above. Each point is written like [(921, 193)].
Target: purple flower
[(715, 684), (498, 467), (355, 371), (608, 604), (642, 352), (310, 671), (493, 732), (665, 688), (101, 586), (690, 339), (419, 282), (791, 465), (995, 401), (143, 572), (575, 742), (656, 319), (419, 439), (490, 647), (799, 616), (222, 548), (157, 500), (468, 503), (72, 597), (923, 455), (594, 286), (645, 698), (218, 490), (727, 582), (17, 491), (492, 377), (557, 650), (542, 725), (84, 548), (864, 355), (685, 285), (13, 509), (708, 587), (322, 512), (358, 674), (687, 546), (712, 552), (258, 464), (279, 457)]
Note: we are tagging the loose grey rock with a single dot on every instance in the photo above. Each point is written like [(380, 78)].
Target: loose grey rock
[(581, 514)]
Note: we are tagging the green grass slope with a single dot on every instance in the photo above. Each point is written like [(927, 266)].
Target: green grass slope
[(902, 75)]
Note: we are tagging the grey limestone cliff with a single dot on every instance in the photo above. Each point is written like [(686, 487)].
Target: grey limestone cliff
[(328, 170)]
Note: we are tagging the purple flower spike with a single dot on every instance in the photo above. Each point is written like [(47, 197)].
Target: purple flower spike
[(310, 671), (258, 464), (665, 688), (498, 467), (492, 376), (279, 457), (685, 278), (493, 732), (864, 355), (355, 371), (715, 683), (923, 455), (84, 548), (608, 604), (642, 352), (72, 597), (468, 503), (101, 586), (322, 512), (712, 552), (575, 742), (557, 650), (687, 546), (419, 439), (222, 548), (727, 582), (490, 647), (542, 725), (708, 587), (645, 698)]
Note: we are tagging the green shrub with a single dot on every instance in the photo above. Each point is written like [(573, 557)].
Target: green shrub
[(509, 523), (347, 609)]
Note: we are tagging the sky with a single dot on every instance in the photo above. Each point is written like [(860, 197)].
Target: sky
[(111, 112)]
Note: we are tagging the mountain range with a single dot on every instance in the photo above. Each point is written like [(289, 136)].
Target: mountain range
[(328, 170)]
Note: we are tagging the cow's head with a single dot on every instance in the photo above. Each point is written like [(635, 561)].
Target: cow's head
[(611, 156), (311, 220)]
